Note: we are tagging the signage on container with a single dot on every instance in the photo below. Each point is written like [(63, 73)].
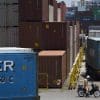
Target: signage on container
[(6, 66)]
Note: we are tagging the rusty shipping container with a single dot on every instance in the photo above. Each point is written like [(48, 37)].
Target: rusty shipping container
[(34, 10), (44, 35), (53, 65)]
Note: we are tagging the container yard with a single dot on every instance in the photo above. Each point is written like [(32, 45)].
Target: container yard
[(49, 49)]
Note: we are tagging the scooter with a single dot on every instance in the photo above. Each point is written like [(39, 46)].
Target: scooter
[(94, 91)]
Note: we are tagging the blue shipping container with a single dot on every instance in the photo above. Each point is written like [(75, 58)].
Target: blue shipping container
[(18, 74)]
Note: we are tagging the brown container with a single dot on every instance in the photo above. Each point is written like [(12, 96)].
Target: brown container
[(30, 35), (34, 10), (44, 35), (55, 10), (53, 65), (51, 2)]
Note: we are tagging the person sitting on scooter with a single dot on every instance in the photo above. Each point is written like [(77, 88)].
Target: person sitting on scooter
[(86, 88)]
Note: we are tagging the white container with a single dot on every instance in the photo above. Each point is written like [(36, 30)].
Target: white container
[(75, 40), (71, 46), (51, 13), (94, 31), (59, 15)]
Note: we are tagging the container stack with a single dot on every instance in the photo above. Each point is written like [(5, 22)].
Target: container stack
[(34, 10), (48, 37), (9, 23), (41, 25)]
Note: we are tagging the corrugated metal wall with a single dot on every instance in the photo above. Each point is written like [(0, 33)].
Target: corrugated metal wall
[(54, 66), (9, 13)]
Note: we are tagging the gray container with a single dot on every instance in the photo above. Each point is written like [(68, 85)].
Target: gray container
[(9, 37), (9, 15), (2, 1), (8, 1), (13, 39), (3, 37), (3, 15), (12, 1), (12, 13)]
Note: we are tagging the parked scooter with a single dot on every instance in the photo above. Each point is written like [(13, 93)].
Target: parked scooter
[(82, 91), (94, 91)]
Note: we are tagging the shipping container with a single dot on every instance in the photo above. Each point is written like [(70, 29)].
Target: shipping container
[(84, 15), (13, 36), (11, 1), (34, 10), (96, 13), (53, 65), (44, 35), (55, 10), (3, 16), (3, 37), (30, 35), (59, 14), (63, 7), (94, 31), (9, 37), (76, 37), (9, 14), (12, 15), (51, 13), (18, 76), (71, 46), (93, 57), (51, 2)]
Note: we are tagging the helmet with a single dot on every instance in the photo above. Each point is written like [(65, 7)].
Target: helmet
[(88, 77)]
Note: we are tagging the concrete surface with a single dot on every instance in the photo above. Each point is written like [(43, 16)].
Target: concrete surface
[(57, 94)]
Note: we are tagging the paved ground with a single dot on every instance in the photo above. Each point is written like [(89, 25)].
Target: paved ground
[(56, 94)]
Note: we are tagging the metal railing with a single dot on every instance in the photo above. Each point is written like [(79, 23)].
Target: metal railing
[(75, 71)]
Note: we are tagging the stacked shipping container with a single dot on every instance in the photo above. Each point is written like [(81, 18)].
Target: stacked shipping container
[(34, 10), (48, 35), (52, 36), (30, 24), (9, 23)]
